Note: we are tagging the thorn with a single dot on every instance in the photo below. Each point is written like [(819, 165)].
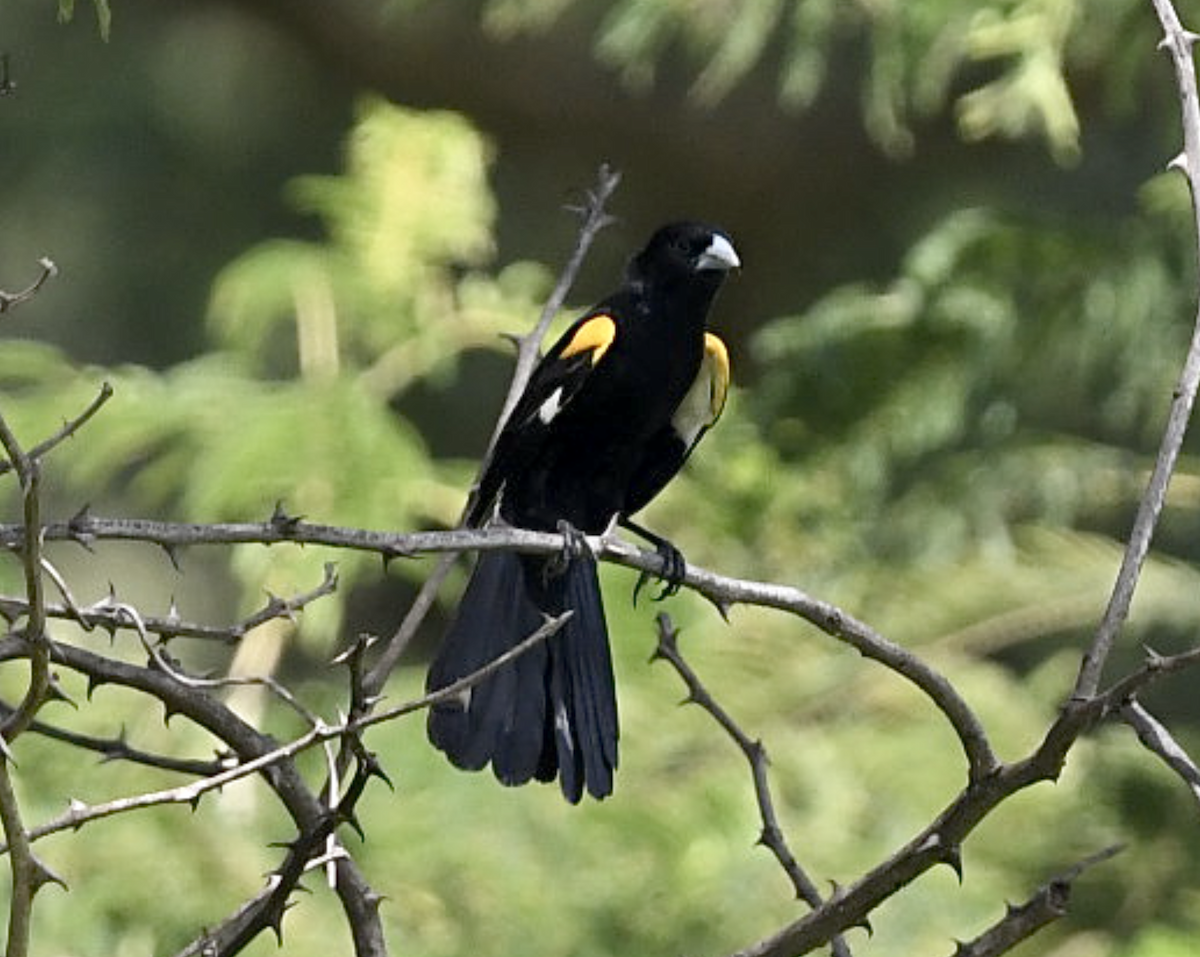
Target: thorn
[(952, 856), (350, 818), (173, 612), (275, 922), (373, 899), (54, 692), (282, 522), (172, 551), (79, 522), (1179, 162), (375, 770), (44, 875)]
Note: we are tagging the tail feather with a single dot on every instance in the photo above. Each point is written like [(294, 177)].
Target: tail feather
[(495, 613), (551, 711), (591, 704)]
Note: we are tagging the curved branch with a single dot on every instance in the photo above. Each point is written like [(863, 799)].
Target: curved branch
[(1178, 42), (721, 590)]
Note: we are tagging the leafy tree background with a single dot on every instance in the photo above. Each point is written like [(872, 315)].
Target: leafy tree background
[(291, 234)]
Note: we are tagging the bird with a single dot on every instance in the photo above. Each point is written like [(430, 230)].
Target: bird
[(610, 414)]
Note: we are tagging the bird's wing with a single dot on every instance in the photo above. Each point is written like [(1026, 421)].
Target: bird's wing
[(556, 380)]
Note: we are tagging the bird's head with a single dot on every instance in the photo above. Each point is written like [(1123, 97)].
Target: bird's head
[(687, 248)]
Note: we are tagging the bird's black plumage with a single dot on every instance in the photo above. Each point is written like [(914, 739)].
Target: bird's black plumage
[(610, 414)]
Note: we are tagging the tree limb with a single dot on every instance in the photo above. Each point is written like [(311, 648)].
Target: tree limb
[(1178, 42), (1022, 921), (771, 836)]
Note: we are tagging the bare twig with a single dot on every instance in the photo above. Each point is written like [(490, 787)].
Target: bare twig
[(10, 300), (247, 744), (118, 749), (1154, 735), (1178, 42), (1022, 921), (110, 615), (29, 473), (28, 873), (266, 758), (163, 663), (771, 836), (68, 429)]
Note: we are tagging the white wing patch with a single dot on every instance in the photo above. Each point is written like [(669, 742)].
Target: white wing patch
[(551, 407)]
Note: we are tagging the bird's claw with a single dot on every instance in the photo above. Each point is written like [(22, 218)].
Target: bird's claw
[(672, 573), (574, 546)]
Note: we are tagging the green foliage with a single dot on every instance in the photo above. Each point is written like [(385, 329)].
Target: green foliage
[(925, 422), (1017, 54), (316, 344), (66, 13)]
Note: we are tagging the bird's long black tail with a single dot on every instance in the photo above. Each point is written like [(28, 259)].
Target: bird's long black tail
[(553, 710)]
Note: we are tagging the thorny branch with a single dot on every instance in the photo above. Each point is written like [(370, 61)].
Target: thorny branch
[(1022, 921), (28, 873), (69, 428), (723, 591), (98, 671), (112, 615), (1178, 42), (771, 836)]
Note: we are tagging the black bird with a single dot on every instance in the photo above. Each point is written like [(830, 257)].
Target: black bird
[(609, 416)]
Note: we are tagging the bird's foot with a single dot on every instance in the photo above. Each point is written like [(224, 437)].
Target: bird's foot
[(672, 574), (674, 566), (574, 546)]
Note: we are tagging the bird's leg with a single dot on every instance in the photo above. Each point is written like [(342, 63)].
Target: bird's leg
[(674, 567), (574, 546)]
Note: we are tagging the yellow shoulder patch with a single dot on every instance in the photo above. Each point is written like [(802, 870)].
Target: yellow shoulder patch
[(716, 362), (594, 335)]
